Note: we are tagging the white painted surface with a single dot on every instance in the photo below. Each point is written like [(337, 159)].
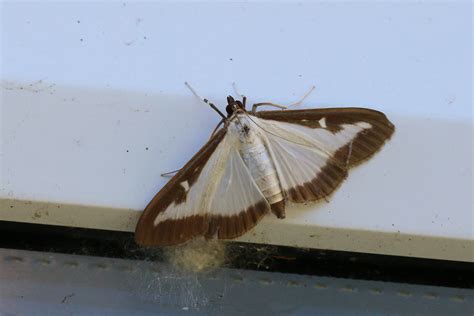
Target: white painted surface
[(94, 108)]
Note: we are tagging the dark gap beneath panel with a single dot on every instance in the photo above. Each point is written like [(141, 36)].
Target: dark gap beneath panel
[(91, 242)]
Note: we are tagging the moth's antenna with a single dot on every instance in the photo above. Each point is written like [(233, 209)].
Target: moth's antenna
[(237, 91), (244, 98), (204, 100), (303, 97)]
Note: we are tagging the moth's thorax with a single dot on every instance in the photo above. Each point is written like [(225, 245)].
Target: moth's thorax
[(256, 156), (243, 127)]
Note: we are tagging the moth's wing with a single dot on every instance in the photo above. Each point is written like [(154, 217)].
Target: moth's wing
[(364, 145), (313, 149), (212, 195), (237, 204)]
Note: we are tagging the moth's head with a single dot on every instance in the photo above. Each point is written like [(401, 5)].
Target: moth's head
[(234, 105)]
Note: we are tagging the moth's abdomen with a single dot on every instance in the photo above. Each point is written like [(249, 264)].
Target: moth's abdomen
[(257, 159)]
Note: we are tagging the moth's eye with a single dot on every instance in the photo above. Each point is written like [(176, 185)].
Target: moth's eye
[(229, 109)]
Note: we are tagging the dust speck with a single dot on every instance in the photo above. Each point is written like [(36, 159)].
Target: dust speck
[(451, 99)]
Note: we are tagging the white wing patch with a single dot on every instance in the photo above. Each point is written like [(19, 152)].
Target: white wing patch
[(322, 122), (185, 185), (295, 164), (224, 187), (300, 152), (199, 192), (236, 190), (364, 125), (320, 139)]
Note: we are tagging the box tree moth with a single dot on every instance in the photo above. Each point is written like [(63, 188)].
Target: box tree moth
[(255, 164)]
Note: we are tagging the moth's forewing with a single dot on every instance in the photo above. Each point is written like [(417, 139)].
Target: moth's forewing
[(364, 145), (176, 231)]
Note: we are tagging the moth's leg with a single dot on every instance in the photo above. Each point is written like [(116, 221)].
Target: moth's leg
[(254, 107), (204, 100), (170, 174), (215, 129), (303, 97)]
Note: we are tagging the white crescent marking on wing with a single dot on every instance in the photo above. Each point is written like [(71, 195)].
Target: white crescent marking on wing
[(322, 122)]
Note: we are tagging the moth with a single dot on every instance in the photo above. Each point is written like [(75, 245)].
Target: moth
[(255, 164)]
